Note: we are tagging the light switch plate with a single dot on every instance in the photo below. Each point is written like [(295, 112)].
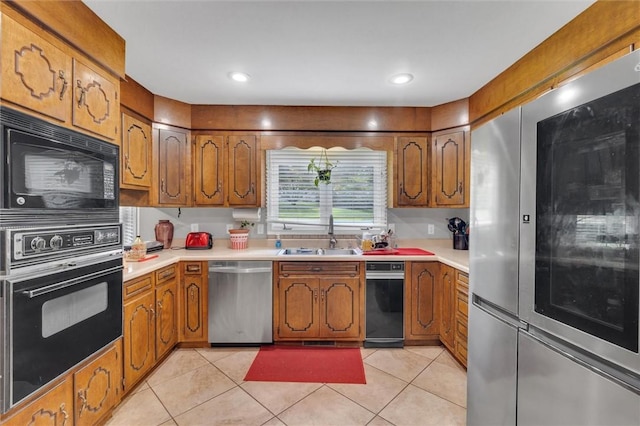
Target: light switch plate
[(431, 229)]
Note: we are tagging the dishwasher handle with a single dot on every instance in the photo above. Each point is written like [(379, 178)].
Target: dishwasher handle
[(237, 270)]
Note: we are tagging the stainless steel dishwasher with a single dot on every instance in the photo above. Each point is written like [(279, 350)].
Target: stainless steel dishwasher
[(240, 302)]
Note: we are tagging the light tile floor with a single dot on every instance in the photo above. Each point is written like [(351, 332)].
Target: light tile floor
[(419, 385)]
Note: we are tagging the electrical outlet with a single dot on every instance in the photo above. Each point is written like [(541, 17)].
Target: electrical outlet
[(431, 229), (260, 228), (229, 226), (195, 227)]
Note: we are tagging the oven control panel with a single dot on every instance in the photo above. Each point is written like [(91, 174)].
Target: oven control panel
[(38, 242)]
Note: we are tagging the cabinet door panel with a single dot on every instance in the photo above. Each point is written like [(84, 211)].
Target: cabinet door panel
[(97, 386), (166, 329), (298, 307), (95, 105), (449, 185), (172, 167), (53, 408), (139, 338), (413, 173), (340, 307), (193, 317), (447, 312), (35, 74), (136, 152), (209, 170), (243, 161), (422, 319)]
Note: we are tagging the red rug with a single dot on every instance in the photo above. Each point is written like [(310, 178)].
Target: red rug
[(306, 364)]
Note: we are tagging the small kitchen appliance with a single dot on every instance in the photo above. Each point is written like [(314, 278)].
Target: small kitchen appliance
[(199, 241)]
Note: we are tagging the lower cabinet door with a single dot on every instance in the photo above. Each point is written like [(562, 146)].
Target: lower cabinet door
[(166, 326), (97, 386), (193, 304), (54, 408), (298, 308), (340, 308), (139, 338)]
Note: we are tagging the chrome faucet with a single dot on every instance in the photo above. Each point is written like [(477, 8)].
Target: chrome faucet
[(332, 238)]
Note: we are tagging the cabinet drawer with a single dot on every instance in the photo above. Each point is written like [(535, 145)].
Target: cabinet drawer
[(323, 268), (137, 286), (462, 281), (462, 304), (461, 329), (461, 351), (192, 268), (166, 274)]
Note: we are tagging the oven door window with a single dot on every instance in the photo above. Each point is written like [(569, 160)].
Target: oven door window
[(62, 319), (587, 232), (46, 174)]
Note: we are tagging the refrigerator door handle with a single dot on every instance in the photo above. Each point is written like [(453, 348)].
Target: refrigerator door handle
[(498, 312)]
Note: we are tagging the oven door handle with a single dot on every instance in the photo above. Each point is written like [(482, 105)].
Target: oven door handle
[(64, 284), (384, 275)]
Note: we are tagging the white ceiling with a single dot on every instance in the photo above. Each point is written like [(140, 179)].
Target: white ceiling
[(327, 52)]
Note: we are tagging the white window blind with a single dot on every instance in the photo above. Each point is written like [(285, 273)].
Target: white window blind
[(356, 196), (129, 219)]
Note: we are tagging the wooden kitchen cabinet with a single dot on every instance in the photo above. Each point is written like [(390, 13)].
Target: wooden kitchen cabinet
[(139, 331), (172, 166), (412, 172), (226, 170), (55, 407), (209, 170), (447, 305), (98, 386), (166, 309), (451, 169), (41, 74), (193, 312), (135, 152), (461, 316), (243, 171), (319, 301), (422, 301), (150, 323)]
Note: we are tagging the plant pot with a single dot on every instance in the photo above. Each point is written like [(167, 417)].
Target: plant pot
[(324, 176), (239, 238)]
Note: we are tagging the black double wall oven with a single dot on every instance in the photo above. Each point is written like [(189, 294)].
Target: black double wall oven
[(61, 263)]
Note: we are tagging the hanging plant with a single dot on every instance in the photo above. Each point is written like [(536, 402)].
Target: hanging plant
[(322, 168)]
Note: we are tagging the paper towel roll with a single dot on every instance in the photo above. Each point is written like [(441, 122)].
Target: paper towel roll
[(252, 215)]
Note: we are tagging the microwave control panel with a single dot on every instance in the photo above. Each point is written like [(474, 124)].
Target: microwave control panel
[(29, 243)]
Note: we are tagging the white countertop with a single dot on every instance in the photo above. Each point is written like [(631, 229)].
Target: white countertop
[(263, 250)]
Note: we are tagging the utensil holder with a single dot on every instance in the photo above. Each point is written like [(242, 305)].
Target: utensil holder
[(460, 242)]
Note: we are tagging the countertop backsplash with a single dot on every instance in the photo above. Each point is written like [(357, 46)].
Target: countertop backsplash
[(408, 223)]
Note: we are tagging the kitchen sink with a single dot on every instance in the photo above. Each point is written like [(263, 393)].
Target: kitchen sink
[(319, 251)]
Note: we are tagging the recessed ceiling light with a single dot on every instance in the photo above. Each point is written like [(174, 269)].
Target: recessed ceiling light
[(239, 76), (401, 78)]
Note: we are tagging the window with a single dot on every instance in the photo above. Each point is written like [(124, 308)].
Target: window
[(129, 219), (356, 196)]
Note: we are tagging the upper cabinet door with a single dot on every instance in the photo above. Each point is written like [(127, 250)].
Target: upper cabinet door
[(243, 175), (35, 74), (450, 164), (173, 167), (136, 153), (208, 181), (95, 104), (412, 172)]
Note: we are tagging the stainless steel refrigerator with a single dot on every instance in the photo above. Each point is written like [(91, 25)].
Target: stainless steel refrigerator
[(554, 264)]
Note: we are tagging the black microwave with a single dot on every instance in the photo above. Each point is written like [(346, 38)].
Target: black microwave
[(55, 174)]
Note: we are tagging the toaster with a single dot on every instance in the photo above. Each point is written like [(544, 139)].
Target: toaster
[(198, 241)]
